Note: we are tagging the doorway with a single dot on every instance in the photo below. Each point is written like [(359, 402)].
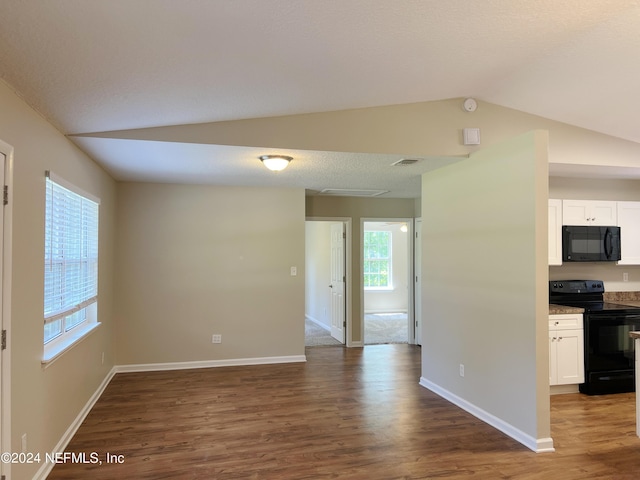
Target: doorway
[(326, 287), (387, 279)]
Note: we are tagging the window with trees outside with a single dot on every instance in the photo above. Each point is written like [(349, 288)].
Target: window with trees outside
[(377, 259), (71, 265)]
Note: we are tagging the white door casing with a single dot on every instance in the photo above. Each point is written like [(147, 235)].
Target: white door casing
[(3, 447), (6, 177), (337, 282), (417, 283)]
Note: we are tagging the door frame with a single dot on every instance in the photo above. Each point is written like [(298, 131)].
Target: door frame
[(347, 222), (5, 312), (411, 337), (338, 282), (417, 279)]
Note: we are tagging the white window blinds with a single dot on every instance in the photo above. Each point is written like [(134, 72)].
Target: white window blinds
[(71, 257)]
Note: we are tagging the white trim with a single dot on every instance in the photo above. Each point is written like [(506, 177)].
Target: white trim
[(70, 186), (538, 445), (232, 362), (318, 322), (46, 467), (5, 321), (387, 312), (55, 350), (389, 289)]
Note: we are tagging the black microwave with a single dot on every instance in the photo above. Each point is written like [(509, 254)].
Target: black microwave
[(590, 244)]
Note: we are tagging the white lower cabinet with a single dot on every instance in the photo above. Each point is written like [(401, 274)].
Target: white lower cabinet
[(566, 349)]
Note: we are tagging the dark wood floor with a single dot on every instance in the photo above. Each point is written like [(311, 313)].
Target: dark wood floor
[(346, 413)]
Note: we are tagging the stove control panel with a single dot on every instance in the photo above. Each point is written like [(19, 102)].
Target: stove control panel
[(576, 286)]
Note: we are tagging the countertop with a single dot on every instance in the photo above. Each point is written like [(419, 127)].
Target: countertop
[(634, 335), (624, 298), (561, 309), (621, 297)]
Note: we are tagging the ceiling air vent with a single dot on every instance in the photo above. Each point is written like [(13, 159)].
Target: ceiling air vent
[(405, 161), (346, 192)]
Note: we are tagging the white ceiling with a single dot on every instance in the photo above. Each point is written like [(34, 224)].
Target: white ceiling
[(92, 66)]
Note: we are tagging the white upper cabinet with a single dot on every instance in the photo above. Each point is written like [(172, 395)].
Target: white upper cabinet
[(629, 223), (555, 232), (589, 212)]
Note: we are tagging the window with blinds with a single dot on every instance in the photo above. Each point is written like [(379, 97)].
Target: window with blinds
[(71, 258)]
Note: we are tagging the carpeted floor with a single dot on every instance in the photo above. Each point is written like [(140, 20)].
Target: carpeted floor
[(378, 329), (316, 336), (385, 328)]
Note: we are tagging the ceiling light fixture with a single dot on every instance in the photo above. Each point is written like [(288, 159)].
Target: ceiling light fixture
[(275, 162)]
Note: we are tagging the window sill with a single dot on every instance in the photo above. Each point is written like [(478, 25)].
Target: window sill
[(379, 289), (55, 351)]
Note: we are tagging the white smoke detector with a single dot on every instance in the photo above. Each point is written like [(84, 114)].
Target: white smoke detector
[(470, 105)]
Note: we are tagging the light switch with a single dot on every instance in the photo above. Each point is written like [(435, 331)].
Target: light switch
[(294, 271)]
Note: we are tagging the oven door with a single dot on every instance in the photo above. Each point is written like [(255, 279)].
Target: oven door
[(609, 352)]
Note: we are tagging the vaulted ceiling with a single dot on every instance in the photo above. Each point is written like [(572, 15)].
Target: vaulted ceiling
[(96, 66)]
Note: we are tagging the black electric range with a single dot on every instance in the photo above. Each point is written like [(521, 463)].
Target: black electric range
[(609, 357)]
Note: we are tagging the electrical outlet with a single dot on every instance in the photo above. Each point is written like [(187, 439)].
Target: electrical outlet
[(625, 277), (216, 339), (294, 271), (461, 370)]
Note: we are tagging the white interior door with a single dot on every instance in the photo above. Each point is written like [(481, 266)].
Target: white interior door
[(337, 282)]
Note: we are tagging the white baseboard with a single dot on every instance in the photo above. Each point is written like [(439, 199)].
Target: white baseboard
[(538, 445), (561, 389), (46, 467), (233, 362), (387, 311), (318, 322)]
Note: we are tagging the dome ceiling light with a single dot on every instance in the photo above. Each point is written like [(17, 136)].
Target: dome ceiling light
[(275, 162)]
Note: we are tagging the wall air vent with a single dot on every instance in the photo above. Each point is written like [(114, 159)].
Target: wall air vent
[(405, 161), (348, 192)]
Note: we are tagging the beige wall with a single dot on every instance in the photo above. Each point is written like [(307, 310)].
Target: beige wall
[(193, 261), (358, 209), (485, 280), (597, 189), (46, 401)]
